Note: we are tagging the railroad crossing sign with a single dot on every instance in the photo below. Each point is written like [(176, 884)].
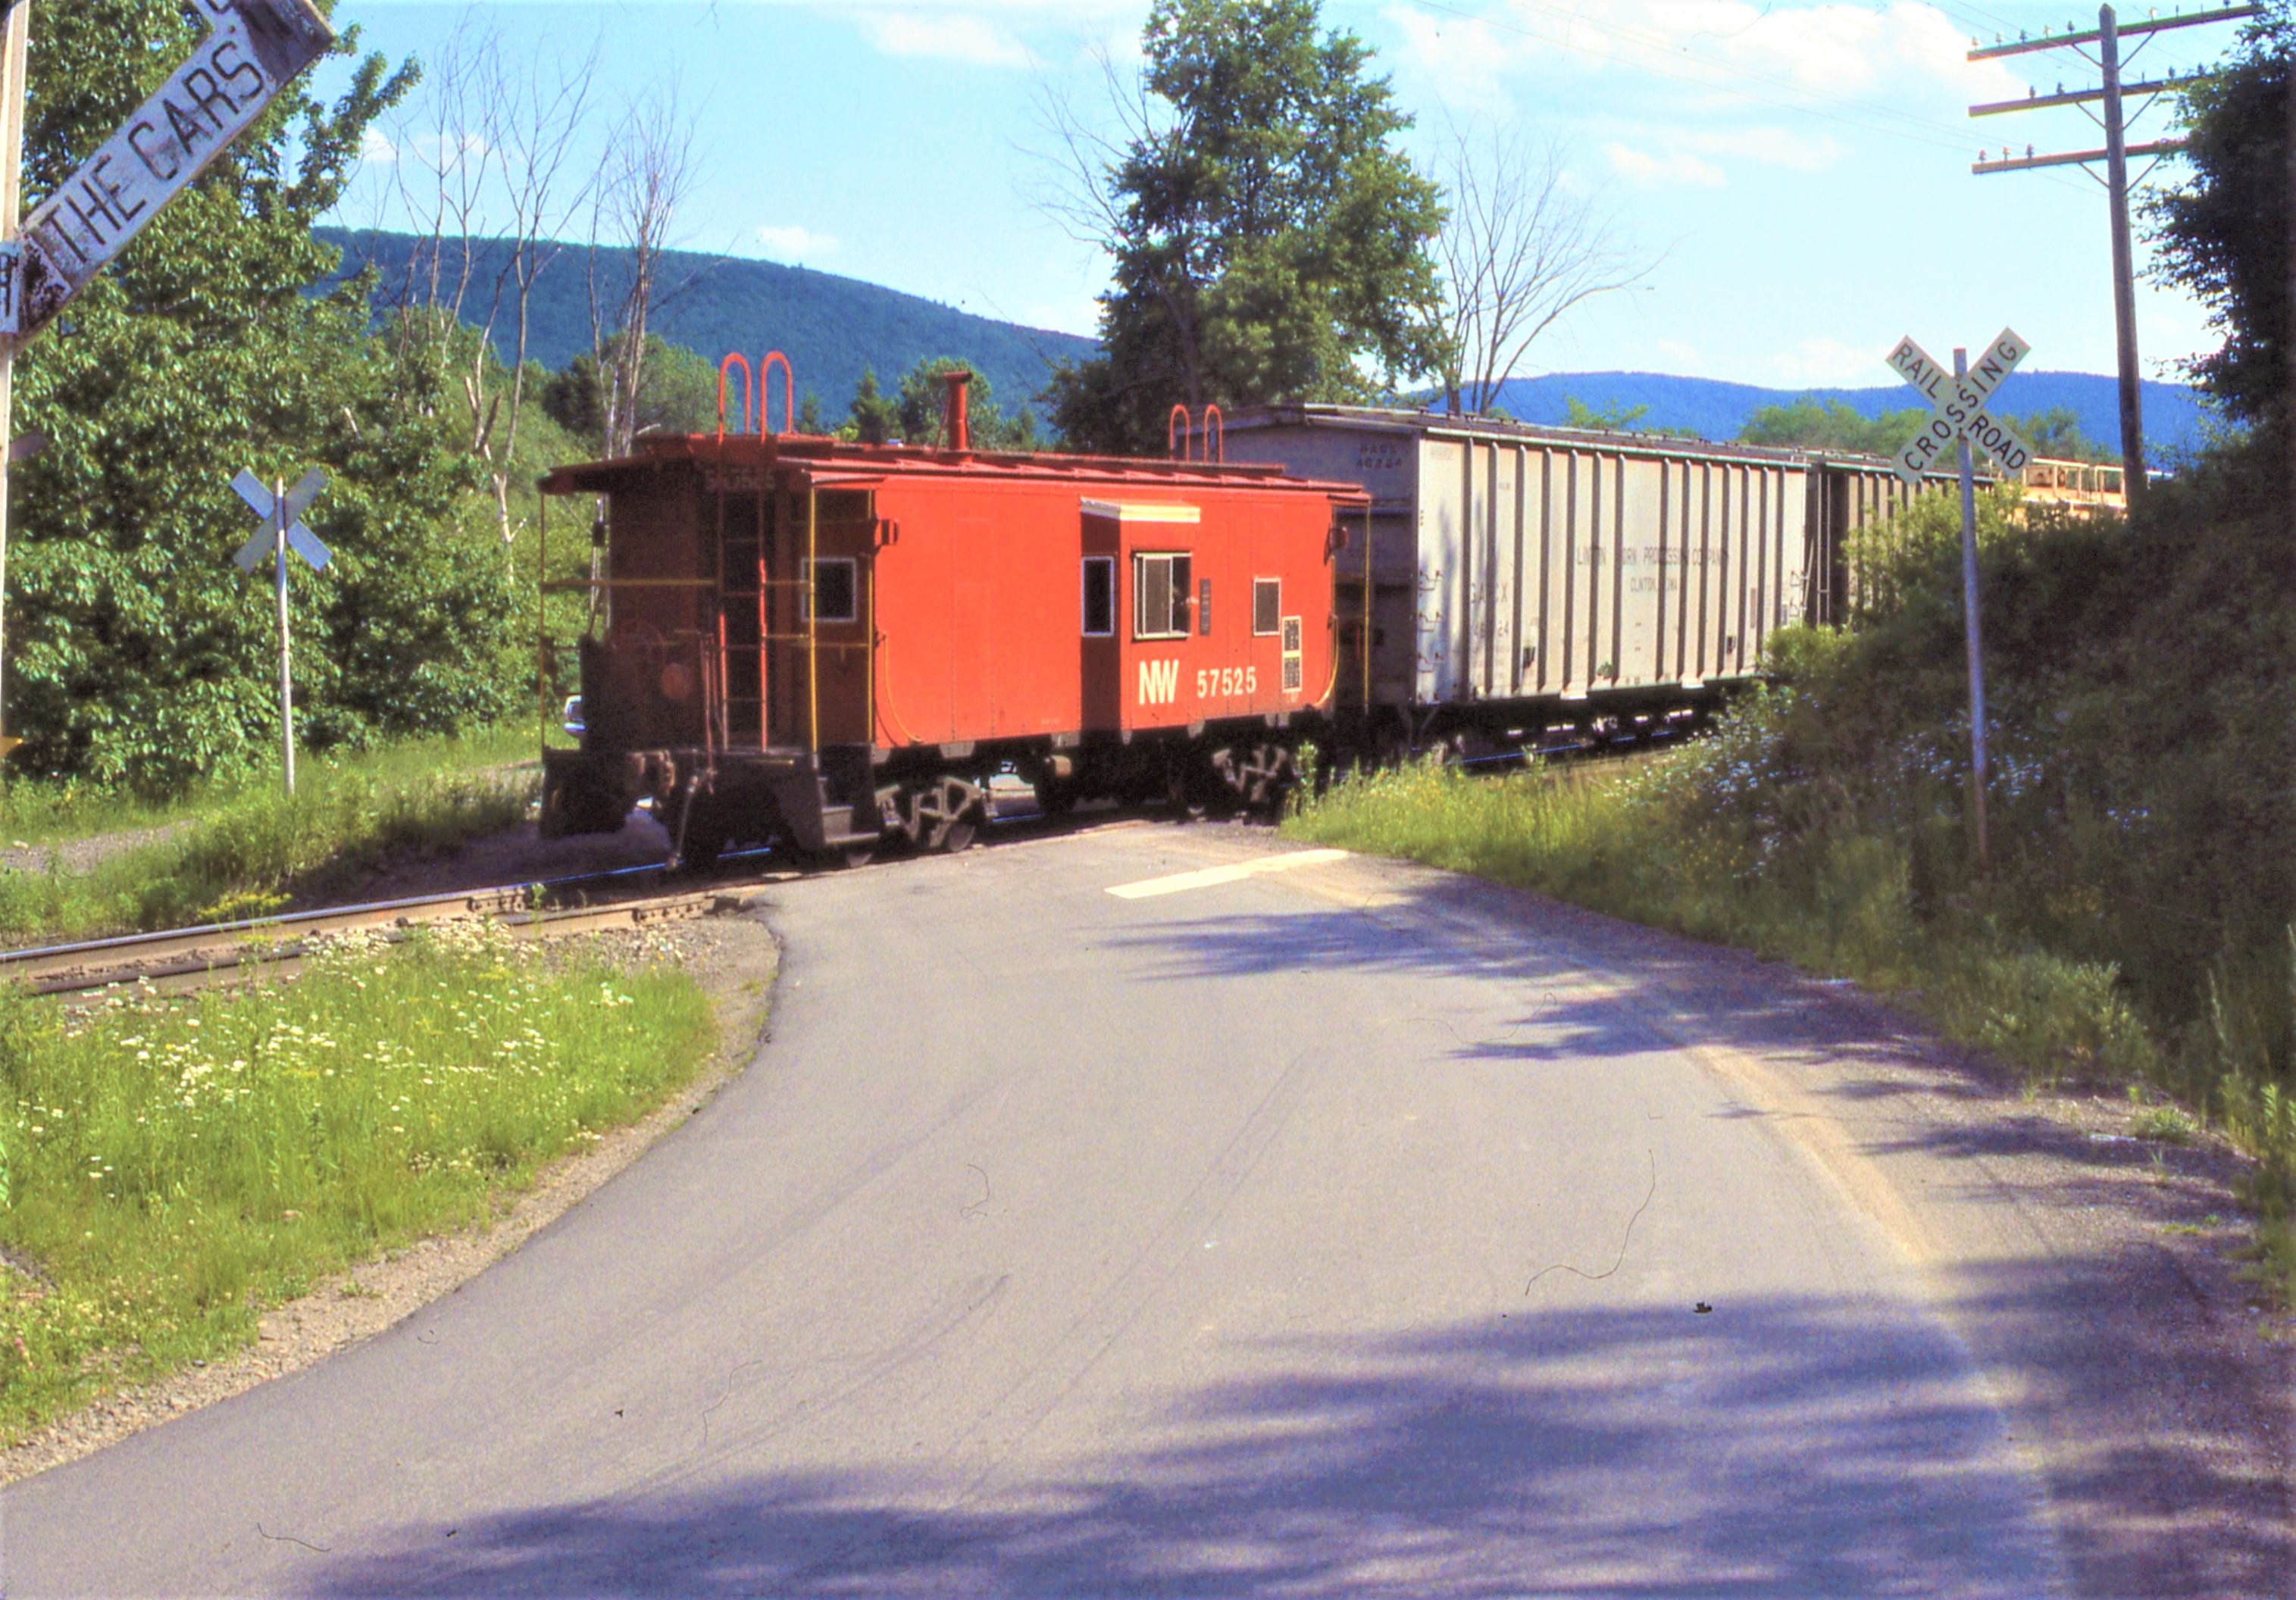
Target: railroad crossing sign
[(283, 520), (282, 510), (1959, 405), (253, 49)]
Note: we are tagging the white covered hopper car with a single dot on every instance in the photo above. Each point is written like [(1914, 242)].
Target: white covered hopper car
[(1524, 582)]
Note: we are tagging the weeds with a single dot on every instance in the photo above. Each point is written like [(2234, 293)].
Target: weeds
[(175, 1166), (240, 851)]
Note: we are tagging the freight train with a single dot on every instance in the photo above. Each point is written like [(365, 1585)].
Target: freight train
[(1520, 579), (837, 647), (834, 647)]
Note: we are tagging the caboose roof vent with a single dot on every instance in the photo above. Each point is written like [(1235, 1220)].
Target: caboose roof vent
[(955, 429)]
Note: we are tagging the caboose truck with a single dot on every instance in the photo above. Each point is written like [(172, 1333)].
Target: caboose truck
[(830, 647)]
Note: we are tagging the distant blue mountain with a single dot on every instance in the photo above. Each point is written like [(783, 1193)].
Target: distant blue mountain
[(1714, 410), (831, 328)]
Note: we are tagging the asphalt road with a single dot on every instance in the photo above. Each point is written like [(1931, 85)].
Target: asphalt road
[(1332, 1229)]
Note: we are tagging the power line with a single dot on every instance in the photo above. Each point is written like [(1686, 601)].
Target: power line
[(1917, 128), (2115, 155)]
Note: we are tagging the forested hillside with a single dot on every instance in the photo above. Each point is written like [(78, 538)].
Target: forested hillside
[(1713, 409), (831, 328)]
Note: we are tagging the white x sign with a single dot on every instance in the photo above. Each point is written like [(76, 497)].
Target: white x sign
[(301, 540), (1959, 405)]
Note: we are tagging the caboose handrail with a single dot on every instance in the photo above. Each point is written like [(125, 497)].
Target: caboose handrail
[(749, 393), (812, 618), (1180, 435), (775, 358)]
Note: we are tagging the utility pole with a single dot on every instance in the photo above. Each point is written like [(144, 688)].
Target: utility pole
[(2124, 268), (2106, 39), (2288, 341), (15, 45)]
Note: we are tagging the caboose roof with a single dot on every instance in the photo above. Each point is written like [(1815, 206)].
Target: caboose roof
[(803, 461)]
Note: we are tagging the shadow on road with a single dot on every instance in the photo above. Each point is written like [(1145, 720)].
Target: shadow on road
[(1543, 1453), (1548, 1447)]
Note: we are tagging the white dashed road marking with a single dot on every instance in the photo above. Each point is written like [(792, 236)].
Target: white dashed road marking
[(1207, 877)]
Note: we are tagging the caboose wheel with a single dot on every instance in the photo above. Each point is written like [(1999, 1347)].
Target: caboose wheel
[(571, 808)]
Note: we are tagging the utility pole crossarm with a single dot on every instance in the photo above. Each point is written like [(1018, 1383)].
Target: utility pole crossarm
[(2106, 36), (2228, 13), (2040, 102), (2160, 147)]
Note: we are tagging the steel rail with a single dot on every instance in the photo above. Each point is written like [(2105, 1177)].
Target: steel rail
[(52, 968), (172, 957)]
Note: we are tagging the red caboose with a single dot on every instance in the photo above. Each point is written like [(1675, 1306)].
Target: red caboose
[(830, 646)]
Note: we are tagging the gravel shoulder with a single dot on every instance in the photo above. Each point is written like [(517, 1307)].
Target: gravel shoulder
[(78, 855), (733, 958)]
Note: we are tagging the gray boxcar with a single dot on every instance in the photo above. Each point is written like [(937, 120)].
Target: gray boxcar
[(1526, 575)]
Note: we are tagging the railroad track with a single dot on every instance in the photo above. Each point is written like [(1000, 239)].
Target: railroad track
[(189, 956)]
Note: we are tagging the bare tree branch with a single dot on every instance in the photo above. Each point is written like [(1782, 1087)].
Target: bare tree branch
[(539, 116), (1519, 250), (645, 177)]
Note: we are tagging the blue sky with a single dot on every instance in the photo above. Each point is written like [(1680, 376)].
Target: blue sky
[(1797, 174)]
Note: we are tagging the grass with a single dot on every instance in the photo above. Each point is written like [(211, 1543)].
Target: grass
[(241, 847), (1662, 844), (41, 811), (173, 1166)]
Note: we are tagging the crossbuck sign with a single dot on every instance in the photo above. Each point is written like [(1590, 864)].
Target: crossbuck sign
[(283, 520), (1959, 405), (281, 510)]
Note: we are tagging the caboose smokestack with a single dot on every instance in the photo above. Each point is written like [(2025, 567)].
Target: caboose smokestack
[(957, 430)]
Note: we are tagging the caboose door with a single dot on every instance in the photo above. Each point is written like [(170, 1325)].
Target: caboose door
[(819, 609)]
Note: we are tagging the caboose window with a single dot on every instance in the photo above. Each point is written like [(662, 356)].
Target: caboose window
[(1099, 596), (1266, 604), (1159, 597), (833, 589)]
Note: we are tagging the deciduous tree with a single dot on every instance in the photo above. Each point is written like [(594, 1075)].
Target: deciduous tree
[(1519, 251), (137, 651), (1269, 239)]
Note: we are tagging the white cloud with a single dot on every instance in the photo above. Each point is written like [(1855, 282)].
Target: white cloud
[(998, 33), (1772, 146), (1683, 355), (795, 242), (443, 153), (1667, 169), (1899, 55), (1829, 364), (952, 35), (375, 150), (1463, 57)]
